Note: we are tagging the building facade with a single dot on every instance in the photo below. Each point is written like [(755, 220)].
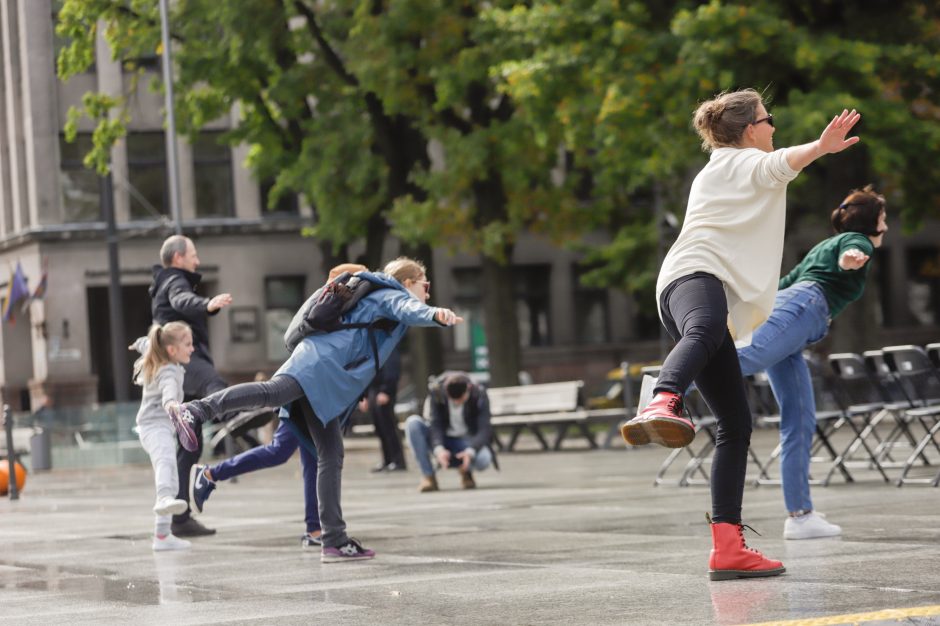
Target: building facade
[(51, 221)]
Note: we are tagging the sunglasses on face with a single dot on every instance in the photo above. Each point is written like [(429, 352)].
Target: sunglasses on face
[(769, 119), (426, 284)]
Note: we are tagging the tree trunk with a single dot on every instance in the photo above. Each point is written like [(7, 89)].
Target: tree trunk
[(499, 320)]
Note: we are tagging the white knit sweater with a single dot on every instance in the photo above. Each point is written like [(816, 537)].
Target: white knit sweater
[(733, 230)]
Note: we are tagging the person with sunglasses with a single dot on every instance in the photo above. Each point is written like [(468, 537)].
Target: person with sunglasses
[(322, 381), (830, 277), (716, 286)]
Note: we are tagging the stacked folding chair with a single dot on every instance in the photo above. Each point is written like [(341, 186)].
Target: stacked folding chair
[(919, 378)]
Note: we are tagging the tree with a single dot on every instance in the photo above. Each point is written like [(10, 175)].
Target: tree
[(619, 81)]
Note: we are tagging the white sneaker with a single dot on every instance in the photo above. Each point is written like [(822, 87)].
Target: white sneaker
[(810, 526), (170, 506), (170, 542)]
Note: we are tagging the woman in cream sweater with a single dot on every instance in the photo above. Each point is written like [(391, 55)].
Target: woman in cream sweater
[(717, 284)]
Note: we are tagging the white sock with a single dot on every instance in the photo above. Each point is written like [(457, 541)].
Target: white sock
[(161, 527)]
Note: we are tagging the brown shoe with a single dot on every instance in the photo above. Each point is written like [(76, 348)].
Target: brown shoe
[(428, 483), (466, 480)]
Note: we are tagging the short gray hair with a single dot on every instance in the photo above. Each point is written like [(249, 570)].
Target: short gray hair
[(174, 244)]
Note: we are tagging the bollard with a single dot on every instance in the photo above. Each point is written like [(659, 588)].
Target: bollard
[(8, 427)]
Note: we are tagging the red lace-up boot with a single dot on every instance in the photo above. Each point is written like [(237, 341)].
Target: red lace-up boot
[(731, 557), (660, 422)]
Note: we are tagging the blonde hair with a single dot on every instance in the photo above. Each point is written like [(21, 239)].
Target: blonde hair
[(721, 121), (403, 268), (352, 268), (156, 355)]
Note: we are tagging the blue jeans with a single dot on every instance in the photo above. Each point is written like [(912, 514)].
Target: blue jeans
[(800, 318), (276, 453), (419, 438)]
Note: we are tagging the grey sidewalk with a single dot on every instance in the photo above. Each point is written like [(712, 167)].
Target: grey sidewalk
[(571, 537)]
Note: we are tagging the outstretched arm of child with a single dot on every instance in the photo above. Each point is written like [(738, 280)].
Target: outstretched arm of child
[(832, 140)]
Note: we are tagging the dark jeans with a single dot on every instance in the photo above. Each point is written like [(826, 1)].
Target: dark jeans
[(276, 453), (201, 380), (386, 428), (284, 390), (695, 314)]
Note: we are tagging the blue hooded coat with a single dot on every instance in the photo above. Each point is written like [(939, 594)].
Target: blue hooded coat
[(335, 368)]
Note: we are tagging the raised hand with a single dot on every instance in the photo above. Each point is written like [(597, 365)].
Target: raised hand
[(853, 259), (447, 317), (833, 139)]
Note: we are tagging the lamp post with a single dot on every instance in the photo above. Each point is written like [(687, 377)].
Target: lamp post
[(172, 161)]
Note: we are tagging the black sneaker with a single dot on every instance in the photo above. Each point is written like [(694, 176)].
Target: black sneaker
[(190, 528), (307, 541), (200, 487), (352, 550)]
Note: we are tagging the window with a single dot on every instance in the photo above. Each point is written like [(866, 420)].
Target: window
[(283, 296), (591, 319), (287, 204), (146, 165), (80, 186), (212, 164), (923, 285), (531, 287)]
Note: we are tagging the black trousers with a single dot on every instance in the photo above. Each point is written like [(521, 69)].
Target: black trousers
[(386, 429), (695, 314), (201, 379)]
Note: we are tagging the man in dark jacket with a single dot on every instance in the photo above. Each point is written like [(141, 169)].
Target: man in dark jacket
[(459, 433), (380, 404), (173, 298)]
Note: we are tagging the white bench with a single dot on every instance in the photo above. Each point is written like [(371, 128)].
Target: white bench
[(532, 407)]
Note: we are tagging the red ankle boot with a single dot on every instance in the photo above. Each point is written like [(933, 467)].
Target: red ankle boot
[(731, 558), (660, 422)]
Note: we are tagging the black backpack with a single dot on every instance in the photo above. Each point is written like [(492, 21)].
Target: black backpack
[(322, 311)]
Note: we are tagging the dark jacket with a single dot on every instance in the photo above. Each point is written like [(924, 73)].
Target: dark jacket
[(476, 414), (387, 379), (173, 298)]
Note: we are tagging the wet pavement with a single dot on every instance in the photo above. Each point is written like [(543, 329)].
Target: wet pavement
[(576, 537)]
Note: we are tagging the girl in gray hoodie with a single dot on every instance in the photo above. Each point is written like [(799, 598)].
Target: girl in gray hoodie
[(159, 370)]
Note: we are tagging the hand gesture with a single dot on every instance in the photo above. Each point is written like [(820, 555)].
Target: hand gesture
[(465, 459), (364, 405), (443, 457), (220, 301), (853, 259), (833, 138), (447, 317), (382, 398)]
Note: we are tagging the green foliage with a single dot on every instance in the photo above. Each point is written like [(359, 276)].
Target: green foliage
[(467, 124)]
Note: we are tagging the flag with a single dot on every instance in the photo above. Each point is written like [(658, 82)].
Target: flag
[(17, 290), (40, 292)]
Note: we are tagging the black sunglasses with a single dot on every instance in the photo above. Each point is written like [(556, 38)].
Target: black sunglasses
[(769, 119)]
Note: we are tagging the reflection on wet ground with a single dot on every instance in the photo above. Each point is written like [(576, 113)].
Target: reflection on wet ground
[(572, 537)]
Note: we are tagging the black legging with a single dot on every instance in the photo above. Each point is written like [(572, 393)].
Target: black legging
[(279, 391), (695, 314)]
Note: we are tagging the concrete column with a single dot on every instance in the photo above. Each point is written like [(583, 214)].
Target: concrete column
[(6, 199), (39, 106), (561, 290), (184, 153), (248, 201), (111, 81), (15, 146)]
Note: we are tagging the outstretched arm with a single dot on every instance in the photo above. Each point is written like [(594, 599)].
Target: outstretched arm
[(832, 140)]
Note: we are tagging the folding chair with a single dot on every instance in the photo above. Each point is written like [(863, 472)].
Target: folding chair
[(920, 379), (829, 418), (897, 401), (859, 397)]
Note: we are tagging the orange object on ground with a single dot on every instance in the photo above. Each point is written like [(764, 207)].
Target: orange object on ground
[(5, 476)]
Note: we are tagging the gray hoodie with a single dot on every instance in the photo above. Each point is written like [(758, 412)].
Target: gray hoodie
[(166, 386)]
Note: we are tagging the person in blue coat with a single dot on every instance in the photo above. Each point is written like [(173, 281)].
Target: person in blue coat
[(323, 380)]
